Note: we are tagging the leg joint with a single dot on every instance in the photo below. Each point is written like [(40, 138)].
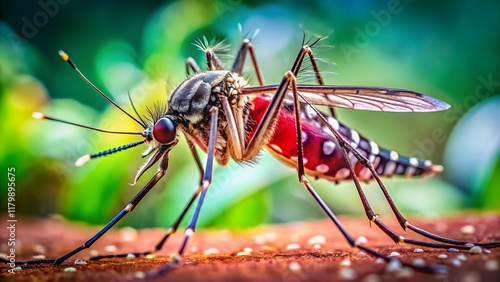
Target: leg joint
[(129, 207), (289, 74)]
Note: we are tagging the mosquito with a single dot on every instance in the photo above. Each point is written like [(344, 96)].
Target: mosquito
[(221, 113)]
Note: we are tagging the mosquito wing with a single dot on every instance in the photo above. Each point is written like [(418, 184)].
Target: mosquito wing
[(362, 98)]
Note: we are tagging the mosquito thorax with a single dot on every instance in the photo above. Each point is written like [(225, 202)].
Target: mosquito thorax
[(190, 99), (196, 94), (230, 87)]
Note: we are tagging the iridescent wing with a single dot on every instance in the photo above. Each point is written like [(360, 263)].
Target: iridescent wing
[(361, 98)]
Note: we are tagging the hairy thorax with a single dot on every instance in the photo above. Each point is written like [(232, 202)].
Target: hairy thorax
[(194, 98)]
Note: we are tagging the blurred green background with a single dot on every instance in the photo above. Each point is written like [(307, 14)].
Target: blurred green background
[(447, 49)]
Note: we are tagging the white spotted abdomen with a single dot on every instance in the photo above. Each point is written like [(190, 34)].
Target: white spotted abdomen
[(322, 156)]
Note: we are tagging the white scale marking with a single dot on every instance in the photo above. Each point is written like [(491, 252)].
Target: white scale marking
[(410, 170), (328, 147), (390, 167), (355, 138), (334, 123), (342, 173), (276, 148), (365, 174), (375, 149), (310, 113), (376, 162), (296, 159), (394, 156), (304, 137), (322, 168), (371, 158)]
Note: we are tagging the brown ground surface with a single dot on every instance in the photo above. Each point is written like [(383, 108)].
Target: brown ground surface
[(269, 260)]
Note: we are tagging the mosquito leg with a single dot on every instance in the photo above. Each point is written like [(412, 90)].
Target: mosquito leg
[(191, 66), (128, 208), (239, 62), (205, 183), (317, 74), (236, 144), (213, 62), (319, 79), (324, 206), (268, 121), (369, 211), (298, 127), (374, 218), (405, 224), (353, 243), (196, 157), (173, 228)]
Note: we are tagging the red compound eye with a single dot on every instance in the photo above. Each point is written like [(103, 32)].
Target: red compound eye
[(164, 131)]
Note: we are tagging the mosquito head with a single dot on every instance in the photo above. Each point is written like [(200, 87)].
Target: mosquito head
[(160, 136)]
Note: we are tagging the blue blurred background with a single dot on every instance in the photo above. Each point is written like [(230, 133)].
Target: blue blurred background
[(447, 49)]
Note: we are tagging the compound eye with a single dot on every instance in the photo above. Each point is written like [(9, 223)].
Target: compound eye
[(164, 131)]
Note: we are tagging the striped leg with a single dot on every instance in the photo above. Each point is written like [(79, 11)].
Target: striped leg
[(205, 183), (345, 146), (247, 47), (173, 228), (163, 154), (266, 126), (324, 206)]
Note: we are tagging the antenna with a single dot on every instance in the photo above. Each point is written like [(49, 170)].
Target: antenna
[(135, 110), (83, 159), (38, 115), (66, 58)]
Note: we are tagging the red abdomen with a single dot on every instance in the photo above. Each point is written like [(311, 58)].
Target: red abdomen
[(322, 156)]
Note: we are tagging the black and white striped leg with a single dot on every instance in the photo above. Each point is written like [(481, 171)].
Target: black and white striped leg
[(205, 183), (426, 269), (163, 154), (345, 147), (173, 228), (405, 224), (324, 206)]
